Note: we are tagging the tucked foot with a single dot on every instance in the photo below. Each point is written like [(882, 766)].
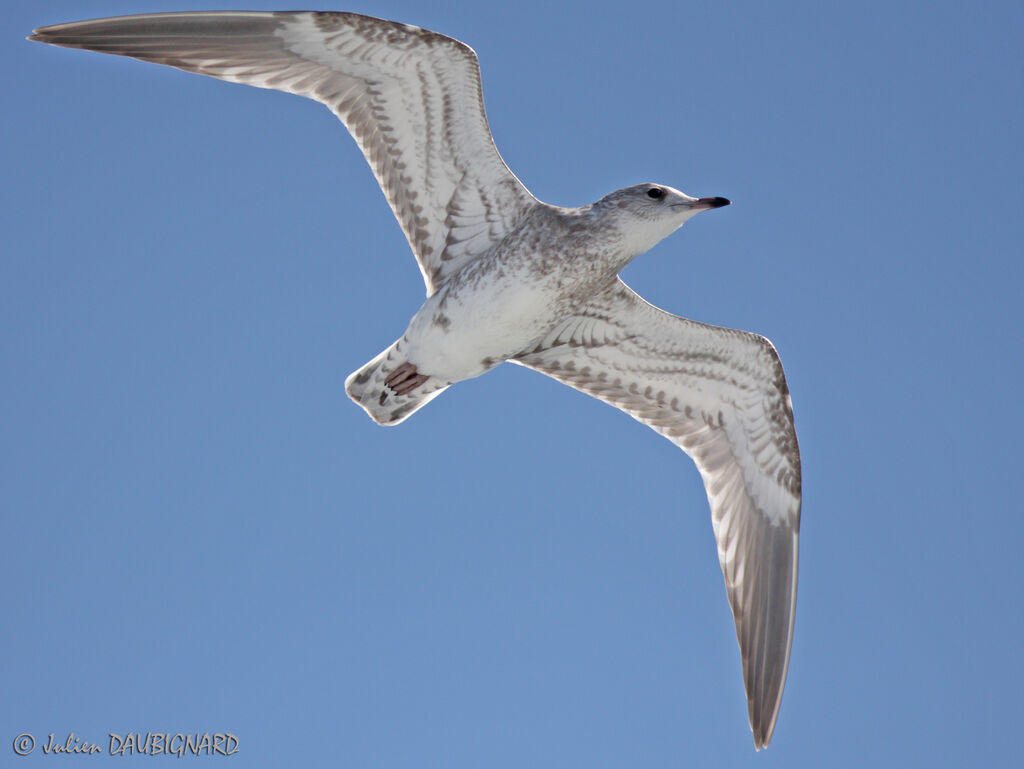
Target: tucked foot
[(403, 380)]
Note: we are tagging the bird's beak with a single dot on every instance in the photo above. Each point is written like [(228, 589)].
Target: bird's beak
[(703, 203), (696, 205)]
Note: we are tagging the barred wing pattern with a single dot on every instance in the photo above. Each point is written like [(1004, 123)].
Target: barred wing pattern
[(410, 97), (721, 396)]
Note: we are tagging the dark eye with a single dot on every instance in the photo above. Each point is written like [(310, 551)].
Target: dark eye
[(656, 193)]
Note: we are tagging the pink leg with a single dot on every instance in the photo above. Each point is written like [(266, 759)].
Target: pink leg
[(410, 384), (404, 379), (400, 374)]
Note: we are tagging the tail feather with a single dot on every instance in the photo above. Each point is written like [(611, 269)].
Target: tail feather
[(367, 388)]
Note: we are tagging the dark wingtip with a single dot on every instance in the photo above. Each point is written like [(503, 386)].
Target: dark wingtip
[(41, 34), (761, 739)]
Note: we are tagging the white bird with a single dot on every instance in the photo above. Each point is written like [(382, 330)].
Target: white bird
[(511, 278)]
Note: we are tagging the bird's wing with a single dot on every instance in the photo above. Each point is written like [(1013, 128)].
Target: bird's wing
[(411, 98), (721, 396)]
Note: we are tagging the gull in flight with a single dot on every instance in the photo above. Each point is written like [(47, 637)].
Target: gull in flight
[(510, 278)]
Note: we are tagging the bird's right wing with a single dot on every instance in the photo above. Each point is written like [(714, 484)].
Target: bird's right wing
[(410, 97), (721, 396)]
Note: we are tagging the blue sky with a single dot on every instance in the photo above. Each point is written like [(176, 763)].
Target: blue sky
[(204, 535)]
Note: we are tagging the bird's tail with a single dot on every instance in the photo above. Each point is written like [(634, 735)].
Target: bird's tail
[(367, 387)]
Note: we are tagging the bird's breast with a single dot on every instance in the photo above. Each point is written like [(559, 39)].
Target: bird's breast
[(503, 302)]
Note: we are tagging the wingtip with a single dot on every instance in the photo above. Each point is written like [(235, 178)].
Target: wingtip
[(42, 35), (762, 725), (762, 722)]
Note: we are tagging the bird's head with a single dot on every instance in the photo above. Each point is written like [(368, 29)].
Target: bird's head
[(645, 214)]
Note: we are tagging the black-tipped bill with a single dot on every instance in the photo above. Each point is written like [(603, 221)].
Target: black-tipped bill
[(711, 202)]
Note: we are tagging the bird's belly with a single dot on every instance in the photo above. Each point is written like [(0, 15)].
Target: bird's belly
[(457, 335)]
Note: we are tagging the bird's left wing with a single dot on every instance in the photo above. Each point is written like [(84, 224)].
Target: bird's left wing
[(410, 97), (721, 396)]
